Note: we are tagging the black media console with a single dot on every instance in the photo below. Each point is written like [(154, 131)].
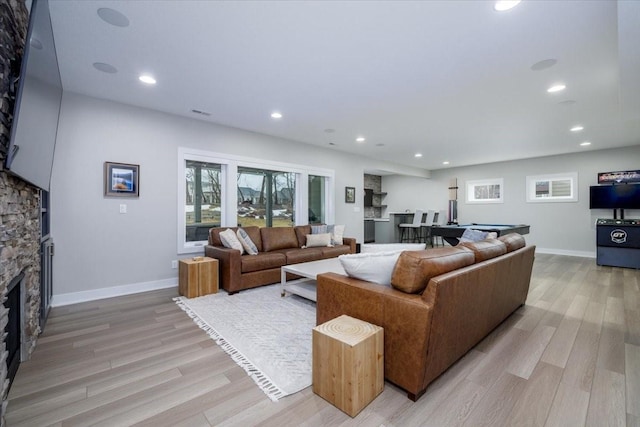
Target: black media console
[(618, 242)]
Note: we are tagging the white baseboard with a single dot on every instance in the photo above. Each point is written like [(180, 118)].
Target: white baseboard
[(115, 291), (552, 251)]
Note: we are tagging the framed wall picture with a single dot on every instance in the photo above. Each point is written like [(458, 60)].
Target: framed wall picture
[(485, 191), (121, 179), (350, 194)]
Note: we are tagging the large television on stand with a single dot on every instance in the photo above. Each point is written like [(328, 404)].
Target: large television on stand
[(621, 196)]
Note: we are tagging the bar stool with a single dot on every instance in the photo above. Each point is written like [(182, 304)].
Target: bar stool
[(427, 224), (412, 229), (442, 220)]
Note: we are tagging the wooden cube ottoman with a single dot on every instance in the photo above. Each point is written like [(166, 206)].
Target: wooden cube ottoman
[(197, 276), (348, 363)]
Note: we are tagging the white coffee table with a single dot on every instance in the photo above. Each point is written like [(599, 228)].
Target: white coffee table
[(306, 287)]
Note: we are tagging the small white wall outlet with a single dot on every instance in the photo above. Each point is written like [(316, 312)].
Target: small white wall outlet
[(174, 263), (123, 209)]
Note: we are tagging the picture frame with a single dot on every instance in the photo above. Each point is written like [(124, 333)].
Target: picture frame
[(121, 180), (485, 191), (349, 194)]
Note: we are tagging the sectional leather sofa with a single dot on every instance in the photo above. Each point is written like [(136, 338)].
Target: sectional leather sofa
[(440, 304), (277, 247)]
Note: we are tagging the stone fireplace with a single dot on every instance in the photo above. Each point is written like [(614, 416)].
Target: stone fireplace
[(19, 207)]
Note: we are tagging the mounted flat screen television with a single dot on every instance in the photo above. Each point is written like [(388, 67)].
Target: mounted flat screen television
[(623, 196), (37, 106)]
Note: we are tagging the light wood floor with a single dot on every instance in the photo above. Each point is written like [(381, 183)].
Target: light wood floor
[(570, 357)]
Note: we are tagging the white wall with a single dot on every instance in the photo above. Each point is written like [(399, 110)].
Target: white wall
[(564, 228), (100, 252)]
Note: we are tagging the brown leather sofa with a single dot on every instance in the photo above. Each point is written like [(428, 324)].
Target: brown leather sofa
[(442, 302), (277, 246)]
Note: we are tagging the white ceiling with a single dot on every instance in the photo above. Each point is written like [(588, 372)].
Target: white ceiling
[(449, 79)]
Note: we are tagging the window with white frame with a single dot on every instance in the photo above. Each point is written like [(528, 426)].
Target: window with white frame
[(485, 191), (317, 199), (203, 198), (561, 187), (266, 198), (224, 190)]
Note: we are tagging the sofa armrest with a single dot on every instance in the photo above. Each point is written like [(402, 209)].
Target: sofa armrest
[(230, 267), (351, 242), (406, 319)]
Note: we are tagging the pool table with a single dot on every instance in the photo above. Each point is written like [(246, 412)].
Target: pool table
[(450, 233)]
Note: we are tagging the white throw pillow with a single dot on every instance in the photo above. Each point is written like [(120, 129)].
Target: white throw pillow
[(337, 232), (229, 240), (372, 267), (388, 247), (315, 240), (246, 242)]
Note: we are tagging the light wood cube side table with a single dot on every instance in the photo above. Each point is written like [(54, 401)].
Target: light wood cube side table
[(198, 276), (348, 363)]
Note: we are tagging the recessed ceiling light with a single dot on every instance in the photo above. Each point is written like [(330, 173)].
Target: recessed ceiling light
[(417, 155), (360, 139), (113, 17), (147, 78), (504, 5), (585, 144), (445, 162), (544, 64), (576, 128), (276, 115), (557, 88), (105, 68)]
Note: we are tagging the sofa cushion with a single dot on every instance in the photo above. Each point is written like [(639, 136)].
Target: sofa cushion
[(374, 267), (317, 240), (486, 249), (414, 269), (246, 242), (334, 251), (301, 234), (230, 240), (296, 256), (262, 261), (274, 238), (513, 241)]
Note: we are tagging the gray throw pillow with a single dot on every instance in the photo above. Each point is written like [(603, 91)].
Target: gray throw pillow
[(246, 242), (470, 235)]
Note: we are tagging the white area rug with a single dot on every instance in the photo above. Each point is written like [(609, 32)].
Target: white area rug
[(267, 335)]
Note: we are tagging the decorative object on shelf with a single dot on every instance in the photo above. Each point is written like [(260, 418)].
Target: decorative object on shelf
[(121, 179), (349, 194)]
